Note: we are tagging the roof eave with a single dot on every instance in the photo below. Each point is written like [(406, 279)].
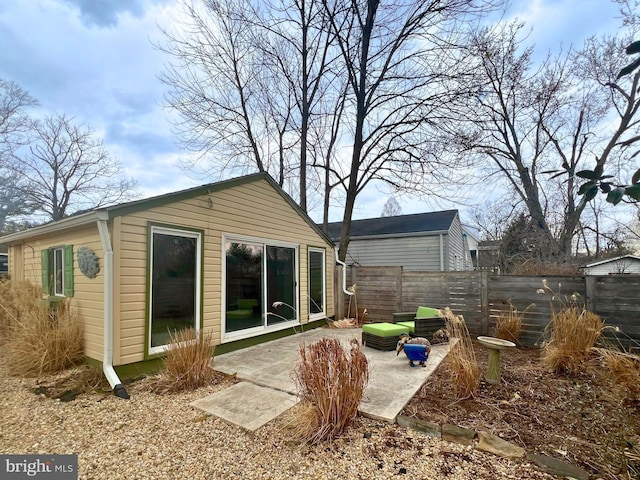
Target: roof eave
[(427, 233), (610, 260), (64, 224)]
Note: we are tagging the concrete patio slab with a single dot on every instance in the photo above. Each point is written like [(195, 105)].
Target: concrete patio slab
[(259, 405), (392, 382)]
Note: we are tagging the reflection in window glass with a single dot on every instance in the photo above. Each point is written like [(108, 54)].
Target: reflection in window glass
[(58, 269), (244, 285), (174, 271), (316, 282), (281, 284)]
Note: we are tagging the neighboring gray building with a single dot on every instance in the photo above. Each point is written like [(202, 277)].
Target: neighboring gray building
[(613, 266), (431, 241)]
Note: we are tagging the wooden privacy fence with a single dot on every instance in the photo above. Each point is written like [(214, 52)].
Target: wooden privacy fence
[(481, 296)]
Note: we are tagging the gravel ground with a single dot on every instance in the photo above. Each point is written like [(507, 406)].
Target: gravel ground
[(161, 437)]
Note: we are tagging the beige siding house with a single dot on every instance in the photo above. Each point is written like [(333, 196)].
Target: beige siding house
[(215, 258)]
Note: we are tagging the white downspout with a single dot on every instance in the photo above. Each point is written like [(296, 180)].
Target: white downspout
[(344, 272), (441, 253), (107, 361)]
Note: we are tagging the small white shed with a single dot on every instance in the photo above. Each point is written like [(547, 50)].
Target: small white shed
[(614, 266)]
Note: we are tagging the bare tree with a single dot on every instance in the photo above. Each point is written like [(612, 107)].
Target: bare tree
[(14, 202), (391, 208), (14, 121), (402, 66), (249, 81), (68, 169), (535, 127), (214, 87), (493, 217), (14, 124), (301, 49)]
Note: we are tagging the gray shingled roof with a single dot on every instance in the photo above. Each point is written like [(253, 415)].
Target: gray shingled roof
[(401, 224)]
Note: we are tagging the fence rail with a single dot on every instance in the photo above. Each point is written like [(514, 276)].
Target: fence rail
[(481, 297)]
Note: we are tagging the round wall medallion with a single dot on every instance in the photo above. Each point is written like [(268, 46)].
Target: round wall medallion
[(88, 262)]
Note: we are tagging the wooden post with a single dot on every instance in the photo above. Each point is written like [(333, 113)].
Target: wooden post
[(590, 292), (484, 303), (493, 367), (399, 290)]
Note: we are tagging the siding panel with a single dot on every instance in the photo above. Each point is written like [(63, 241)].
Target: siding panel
[(253, 209), (411, 253)]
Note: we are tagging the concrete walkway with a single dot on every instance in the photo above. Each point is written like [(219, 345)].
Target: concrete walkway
[(267, 388)]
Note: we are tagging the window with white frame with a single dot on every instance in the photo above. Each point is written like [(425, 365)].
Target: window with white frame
[(261, 283), (57, 271), (317, 283)]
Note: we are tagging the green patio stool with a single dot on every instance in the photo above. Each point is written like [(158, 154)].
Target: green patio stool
[(409, 326), (382, 336)]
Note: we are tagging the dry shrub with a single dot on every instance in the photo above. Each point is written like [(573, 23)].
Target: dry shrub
[(186, 366), (81, 379), (545, 268), (331, 383), (44, 340), (463, 366), (344, 323), (509, 323), (17, 299), (625, 368), (574, 332)]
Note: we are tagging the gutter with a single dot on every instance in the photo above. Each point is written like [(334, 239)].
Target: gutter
[(57, 226), (107, 361), (344, 272)]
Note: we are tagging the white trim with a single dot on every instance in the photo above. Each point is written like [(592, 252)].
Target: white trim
[(264, 328), (256, 331), (611, 260), (323, 313), (250, 239), (177, 232), (65, 223)]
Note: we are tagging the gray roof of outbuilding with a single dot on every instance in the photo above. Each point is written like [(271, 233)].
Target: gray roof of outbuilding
[(430, 222)]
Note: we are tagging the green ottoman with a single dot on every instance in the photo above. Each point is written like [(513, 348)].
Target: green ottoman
[(428, 320), (382, 336), (410, 327)]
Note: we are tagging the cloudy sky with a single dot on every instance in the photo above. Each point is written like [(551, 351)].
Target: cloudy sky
[(95, 60)]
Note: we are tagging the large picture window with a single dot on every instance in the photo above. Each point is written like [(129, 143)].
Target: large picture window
[(258, 275), (175, 285), (317, 282)]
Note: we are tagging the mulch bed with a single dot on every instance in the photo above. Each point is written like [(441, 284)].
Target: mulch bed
[(587, 419)]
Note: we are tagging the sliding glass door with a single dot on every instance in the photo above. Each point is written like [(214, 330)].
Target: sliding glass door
[(281, 285), (260, 284)]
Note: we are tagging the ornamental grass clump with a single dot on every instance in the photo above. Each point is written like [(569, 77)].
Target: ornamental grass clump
[(331, 383), (463, 366), (509, 323), (186, 365), (42, 338), (625, 368), (17, 299), (573, 333)]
